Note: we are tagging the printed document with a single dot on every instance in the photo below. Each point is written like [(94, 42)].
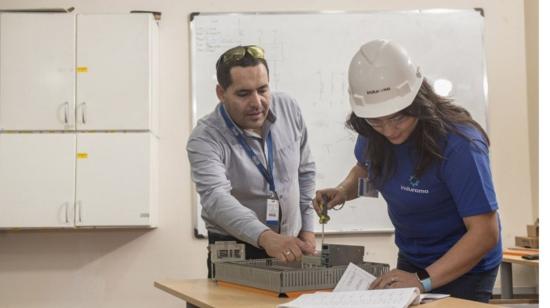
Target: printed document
[(352, 291), (354, 279), (383, 298)]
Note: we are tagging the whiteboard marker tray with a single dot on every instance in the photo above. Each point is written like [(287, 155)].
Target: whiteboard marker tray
[(280, 277)]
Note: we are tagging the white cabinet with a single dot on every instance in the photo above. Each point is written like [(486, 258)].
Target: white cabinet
[(78, 120), (116, 179), (115, 70), (37, 80), (58, 180), (111, 86), (37, 178)]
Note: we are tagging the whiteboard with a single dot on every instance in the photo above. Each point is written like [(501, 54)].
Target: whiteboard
[(308, 56)]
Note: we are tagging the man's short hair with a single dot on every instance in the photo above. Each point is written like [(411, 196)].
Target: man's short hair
[(223, 69)]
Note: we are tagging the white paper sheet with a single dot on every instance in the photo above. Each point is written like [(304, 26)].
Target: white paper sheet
[(354, 279), (383, 298)]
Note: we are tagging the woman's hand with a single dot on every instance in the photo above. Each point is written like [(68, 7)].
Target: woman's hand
[(347, 190), (396, 279), (334, 197)]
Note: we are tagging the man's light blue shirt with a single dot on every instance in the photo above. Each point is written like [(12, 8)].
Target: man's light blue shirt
[(232, 190)]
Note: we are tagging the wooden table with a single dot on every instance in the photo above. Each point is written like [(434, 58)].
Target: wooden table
[(207, 293), (506, 280)]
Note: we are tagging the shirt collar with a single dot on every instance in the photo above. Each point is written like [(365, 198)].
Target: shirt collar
[(269, 121)]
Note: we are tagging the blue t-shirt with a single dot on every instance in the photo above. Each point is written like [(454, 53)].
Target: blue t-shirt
[(427, 212)]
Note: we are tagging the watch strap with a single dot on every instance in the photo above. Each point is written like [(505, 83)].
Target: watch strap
[(425, 280)]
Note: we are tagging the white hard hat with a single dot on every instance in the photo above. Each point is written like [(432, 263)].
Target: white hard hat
[(382, 79)]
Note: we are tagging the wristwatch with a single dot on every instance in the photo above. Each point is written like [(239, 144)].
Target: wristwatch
[(424, 279)]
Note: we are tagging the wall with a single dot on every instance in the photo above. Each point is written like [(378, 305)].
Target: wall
[(532, 67), (117, 268)]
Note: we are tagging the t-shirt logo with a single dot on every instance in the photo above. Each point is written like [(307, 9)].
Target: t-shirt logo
[(414, 181)]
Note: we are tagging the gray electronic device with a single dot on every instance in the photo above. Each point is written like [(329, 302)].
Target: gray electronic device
[(312, 273)]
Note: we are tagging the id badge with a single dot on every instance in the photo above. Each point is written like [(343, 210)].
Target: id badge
[(366, 188), (272, 211)]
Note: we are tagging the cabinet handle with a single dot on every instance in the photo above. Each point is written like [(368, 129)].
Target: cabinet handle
[(79, 211), (66, 212), (83, 112), (66, 112)]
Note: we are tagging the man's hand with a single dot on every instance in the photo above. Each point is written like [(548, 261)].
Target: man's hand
[(309, 238), (282, 247)]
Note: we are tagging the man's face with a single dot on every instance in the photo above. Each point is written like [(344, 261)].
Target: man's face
[(248, 98)]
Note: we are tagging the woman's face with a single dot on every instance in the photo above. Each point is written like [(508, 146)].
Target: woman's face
[(395, 127)]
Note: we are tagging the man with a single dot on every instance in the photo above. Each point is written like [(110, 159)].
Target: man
[(251, 163)]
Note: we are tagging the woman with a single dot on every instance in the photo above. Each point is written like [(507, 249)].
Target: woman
[(429, 160)]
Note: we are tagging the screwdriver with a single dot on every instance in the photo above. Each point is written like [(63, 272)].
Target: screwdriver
[(323, 217)]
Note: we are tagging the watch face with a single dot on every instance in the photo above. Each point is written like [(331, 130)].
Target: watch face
[(422, 274)]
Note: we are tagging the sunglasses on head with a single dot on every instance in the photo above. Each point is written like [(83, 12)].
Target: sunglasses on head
[(237, 53)]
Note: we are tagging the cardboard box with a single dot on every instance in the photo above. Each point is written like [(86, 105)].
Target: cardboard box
[(527, 241), (533, 230)]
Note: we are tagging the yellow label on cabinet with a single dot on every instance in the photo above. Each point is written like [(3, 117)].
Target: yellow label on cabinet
[(81, 155), (82, 69)]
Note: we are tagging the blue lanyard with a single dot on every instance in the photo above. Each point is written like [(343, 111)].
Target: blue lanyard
[(267, 173)]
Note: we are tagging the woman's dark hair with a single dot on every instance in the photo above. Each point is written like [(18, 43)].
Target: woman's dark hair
[(437, 117)]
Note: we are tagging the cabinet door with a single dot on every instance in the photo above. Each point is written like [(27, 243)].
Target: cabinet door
[(37, 79), (114, 179), (114, 72), (37, 180)]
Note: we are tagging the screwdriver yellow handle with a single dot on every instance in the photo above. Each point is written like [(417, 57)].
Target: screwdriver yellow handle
[(323, 217)]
